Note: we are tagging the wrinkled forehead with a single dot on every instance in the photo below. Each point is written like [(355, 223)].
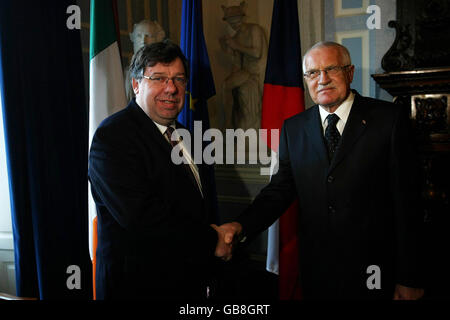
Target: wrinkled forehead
[(324, 56), (175, 67)]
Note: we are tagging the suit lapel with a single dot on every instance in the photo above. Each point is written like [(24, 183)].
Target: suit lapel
[(354, 128), (314, 130), (151, 131), (148, 129)]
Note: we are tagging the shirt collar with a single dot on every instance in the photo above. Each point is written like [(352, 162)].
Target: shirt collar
[(163, 128), (342, 111)]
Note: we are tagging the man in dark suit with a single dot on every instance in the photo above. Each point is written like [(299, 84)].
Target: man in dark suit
[(350, 161), (155, 238)]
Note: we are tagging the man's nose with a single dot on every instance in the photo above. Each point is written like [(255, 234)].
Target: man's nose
[(323, 77), (170, 86)]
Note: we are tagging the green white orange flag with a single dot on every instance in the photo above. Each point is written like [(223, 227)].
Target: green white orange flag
[(106, 84)]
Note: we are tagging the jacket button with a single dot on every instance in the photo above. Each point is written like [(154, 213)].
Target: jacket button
[(330, 179)]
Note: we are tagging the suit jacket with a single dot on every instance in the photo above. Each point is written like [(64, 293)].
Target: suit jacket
[(154, 238), (357, 211)]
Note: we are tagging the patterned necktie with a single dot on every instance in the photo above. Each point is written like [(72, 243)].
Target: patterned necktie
[(169, 131), (332, 135)]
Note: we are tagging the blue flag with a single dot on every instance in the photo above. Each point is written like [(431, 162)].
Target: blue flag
[(199, 89), (201, 84)]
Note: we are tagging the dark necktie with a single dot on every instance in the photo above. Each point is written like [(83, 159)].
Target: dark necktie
[(332, 135), (168, 133)]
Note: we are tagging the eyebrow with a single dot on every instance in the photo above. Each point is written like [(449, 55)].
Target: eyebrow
[(330, 66), (165, 74)]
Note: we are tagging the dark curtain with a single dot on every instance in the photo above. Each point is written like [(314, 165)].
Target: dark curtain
[(46, 132)]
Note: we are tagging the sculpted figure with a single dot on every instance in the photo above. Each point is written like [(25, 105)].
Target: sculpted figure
[(242, 89), (144, 32)]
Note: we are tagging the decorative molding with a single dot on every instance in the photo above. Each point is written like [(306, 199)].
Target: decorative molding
[(420, 81), (400, 55), (365, 54), (425, 94), (422, 38), (341, 12), (431, 113)]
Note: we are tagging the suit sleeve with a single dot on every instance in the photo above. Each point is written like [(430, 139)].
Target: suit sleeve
[(274, 199), (405, 189), (132, 199)]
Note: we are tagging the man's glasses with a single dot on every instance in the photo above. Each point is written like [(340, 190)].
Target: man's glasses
[(331, 71), (164, 80)]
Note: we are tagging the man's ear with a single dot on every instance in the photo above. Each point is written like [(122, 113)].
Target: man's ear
[(351, 73), (135, 85)]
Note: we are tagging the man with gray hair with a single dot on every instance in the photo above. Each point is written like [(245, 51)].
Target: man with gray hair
[(350, 161)]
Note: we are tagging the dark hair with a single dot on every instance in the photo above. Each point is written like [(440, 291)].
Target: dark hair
[(159, 52)]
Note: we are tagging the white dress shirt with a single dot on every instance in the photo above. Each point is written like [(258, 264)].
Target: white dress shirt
[(342, 112), (186, 154)]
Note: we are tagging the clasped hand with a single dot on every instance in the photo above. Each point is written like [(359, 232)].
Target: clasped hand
[(227, 234)]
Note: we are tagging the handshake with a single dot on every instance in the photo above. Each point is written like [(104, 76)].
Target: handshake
[(228, 234)]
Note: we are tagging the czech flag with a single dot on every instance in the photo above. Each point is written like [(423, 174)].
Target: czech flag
[(283, 98)]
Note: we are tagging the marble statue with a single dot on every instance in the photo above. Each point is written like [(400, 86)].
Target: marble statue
[(242, 88), (144, 32)]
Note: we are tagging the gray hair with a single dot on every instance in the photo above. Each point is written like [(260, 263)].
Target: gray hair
[(345, 55)]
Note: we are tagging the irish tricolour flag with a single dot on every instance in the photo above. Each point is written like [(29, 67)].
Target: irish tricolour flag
[(106, 84)]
